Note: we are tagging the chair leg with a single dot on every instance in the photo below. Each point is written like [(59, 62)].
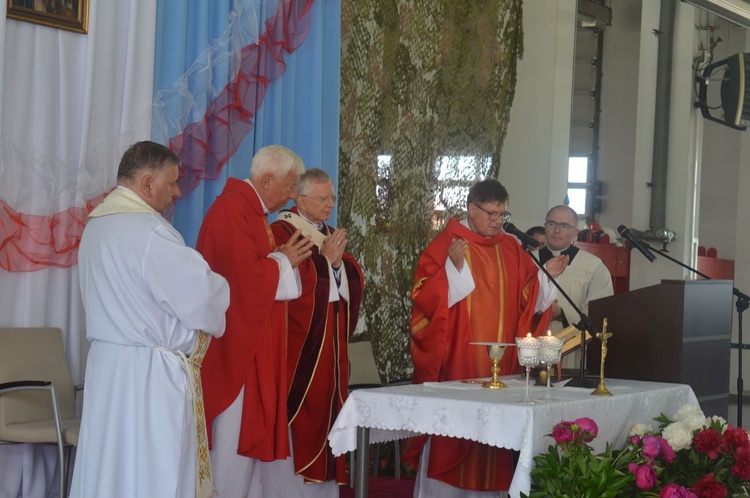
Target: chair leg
[(63, 471), (376, 460), (64, 492)]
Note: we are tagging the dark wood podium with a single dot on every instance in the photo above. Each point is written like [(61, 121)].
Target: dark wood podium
[(677, 331)]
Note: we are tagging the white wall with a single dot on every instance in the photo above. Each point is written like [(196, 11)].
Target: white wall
[(535, 153), (720, 158), (707, 165)]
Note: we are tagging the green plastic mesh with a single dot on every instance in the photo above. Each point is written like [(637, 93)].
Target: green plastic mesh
[(426, 91)]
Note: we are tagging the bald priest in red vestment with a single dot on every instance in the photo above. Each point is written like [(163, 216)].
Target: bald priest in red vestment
[(320, 324), (244, 373), (474, 283)]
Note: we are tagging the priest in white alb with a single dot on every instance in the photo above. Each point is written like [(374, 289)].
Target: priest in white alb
[(151, 305)]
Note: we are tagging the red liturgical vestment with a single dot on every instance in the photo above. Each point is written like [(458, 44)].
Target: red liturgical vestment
[(317, 362), (499, 309), (235, 239)]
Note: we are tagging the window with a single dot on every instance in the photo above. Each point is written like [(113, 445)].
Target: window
[(454, 177), (578, 172)]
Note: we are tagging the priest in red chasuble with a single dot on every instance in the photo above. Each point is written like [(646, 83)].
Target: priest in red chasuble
[(474, 283), (244, 373), (321, 321)]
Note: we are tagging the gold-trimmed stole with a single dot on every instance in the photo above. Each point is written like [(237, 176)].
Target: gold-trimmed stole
[(203, 479)]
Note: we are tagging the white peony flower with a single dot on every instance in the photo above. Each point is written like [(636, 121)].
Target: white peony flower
[(688, 411), (695, 422), (721, 421), (678, 436), (641, 429)]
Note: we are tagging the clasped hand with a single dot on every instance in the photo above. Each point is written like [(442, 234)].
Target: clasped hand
[(333, 247), (297, 248)]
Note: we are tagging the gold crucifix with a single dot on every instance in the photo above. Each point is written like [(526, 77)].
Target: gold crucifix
[(603, 336)]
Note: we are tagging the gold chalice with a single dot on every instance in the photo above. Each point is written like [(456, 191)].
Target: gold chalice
[(496, 351)]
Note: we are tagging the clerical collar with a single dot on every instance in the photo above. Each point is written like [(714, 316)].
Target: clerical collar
[(262, 204), (545, 253)]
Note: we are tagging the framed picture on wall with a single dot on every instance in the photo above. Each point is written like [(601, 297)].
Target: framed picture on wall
[(72, 15)]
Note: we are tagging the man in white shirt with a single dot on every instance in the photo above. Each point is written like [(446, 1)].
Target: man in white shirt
[(151, 303)]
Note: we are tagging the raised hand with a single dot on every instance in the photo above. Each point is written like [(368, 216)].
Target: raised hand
[(457, 252), (557, 265)]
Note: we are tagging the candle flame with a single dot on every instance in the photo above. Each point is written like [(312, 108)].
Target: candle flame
[(549, 333), (528, 334)]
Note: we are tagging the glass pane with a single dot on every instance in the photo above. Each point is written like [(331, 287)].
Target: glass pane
[(384, 164), (577, 197), (448, 197), (578, 169), (461, 167)]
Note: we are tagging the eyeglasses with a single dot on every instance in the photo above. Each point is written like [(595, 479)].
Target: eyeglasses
[(494, 215), (324, 200), (552, 225)]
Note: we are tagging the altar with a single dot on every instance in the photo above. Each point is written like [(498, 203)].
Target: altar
[(496, 417)]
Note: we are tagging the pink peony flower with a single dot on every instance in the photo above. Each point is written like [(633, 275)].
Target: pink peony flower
[(588, 429), (635, 440), (562, 432), (651, 447), (676, 491), (667, 453), (708, 441), (633, 467), (645, 477)]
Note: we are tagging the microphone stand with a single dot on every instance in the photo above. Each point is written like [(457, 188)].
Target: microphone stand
[(583, 325), (743, 302)]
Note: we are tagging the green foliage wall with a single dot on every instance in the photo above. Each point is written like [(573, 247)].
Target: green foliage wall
[(429, 84)]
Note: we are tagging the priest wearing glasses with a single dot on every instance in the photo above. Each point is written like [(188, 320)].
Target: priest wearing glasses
[(473, 283), (585, 279)]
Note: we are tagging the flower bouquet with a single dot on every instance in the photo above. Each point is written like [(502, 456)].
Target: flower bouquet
[(687, 456)]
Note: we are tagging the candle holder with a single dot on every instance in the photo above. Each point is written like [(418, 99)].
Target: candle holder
[(495, 350), (529, 350), (550, 355)]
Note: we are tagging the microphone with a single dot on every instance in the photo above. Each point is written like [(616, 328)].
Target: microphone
[(627, 234), (526, 240)]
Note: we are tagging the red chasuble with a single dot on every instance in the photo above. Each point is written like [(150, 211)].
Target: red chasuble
[(235, 239), (500, 308), (317, 360)]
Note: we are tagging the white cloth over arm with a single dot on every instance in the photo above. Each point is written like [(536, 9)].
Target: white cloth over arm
[(460, 283), (290, 284), (547, 293)]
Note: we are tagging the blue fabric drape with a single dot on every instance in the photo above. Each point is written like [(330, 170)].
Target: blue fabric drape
[(300, 110)]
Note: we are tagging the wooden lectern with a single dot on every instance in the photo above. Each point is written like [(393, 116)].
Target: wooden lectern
[(677, 331)]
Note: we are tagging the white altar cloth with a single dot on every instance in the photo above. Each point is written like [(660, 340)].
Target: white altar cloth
[(496, 417)]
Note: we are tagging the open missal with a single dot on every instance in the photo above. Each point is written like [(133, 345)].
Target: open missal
[(572, 337)]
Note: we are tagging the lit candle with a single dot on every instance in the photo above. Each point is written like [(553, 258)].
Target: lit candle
[(551, 347), (528, 347)]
